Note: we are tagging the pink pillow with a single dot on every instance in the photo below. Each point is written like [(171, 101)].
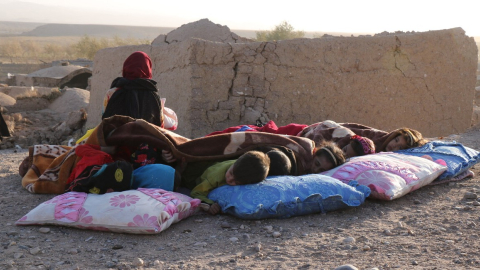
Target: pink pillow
[(388, 175), (142, 211)]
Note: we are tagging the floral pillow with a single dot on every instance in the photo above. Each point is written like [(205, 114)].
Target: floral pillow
[(142, 211), (389, 175)]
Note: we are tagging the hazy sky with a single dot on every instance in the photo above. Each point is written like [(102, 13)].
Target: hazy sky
[(358, 16)]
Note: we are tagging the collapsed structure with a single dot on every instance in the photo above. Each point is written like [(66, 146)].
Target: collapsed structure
[(56, 76), (425, 81)]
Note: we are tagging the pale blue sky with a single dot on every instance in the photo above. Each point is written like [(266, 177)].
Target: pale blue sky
[(350, 16)]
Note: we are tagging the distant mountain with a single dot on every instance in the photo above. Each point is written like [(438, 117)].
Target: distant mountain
[(16, 28), (140, 32)]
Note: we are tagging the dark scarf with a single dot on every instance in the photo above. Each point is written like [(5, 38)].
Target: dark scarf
[(137, 98)]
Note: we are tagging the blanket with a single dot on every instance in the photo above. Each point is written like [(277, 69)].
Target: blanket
[(340, 133), (51, 166), (328, 130)]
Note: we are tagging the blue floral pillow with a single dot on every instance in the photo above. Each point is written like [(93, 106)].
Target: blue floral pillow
[(459, 158), (287, 196)]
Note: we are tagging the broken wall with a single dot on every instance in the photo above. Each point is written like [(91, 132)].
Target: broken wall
[(424, 81)]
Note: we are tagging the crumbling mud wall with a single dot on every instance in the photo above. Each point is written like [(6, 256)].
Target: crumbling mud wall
[(424, 81)]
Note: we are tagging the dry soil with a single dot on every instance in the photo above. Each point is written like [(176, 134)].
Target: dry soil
[(431, 228)]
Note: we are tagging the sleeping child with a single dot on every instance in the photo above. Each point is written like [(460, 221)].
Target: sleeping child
[(250, 168), (326, 157), (358, 146)]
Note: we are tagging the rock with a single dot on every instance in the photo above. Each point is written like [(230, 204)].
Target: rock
[(117, 246), (225, 225), (44, 230), (138, 262), (258, 247), (35, 250), (202, 244), (388, 232), (245, 236), (233, 239), (110, 264), (72, 100), (73, 251), (366, 248), (76, 119), (276, 234), (349, 240), (346, 267), (6, 100), (17, 256), (470, 196), (268, 228)]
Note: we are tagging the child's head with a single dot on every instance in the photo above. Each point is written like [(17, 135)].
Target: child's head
[(250, 168), (326, 157), (280, 164), (404, 138), (358, 146)]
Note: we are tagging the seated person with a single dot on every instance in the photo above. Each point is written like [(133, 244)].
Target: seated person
[(250, 168), (135, 94), (358, 146), (279, 163), (326, 157)]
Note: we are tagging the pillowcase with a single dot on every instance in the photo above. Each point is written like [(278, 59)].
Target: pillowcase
[(388, 175), (142, 211), (458, 157), (286, 196)]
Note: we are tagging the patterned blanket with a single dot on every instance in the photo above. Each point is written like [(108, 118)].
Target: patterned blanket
[(49, 166)]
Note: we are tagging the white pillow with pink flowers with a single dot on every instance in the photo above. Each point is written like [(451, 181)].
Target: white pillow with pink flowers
[(142, 211), (389, 175)]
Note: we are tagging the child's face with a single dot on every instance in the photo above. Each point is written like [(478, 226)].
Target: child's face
[(348, 151), (229, 177), (321, 164), (398, 143)]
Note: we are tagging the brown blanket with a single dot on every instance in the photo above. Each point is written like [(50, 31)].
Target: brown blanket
[(51, 165), (340, 133)]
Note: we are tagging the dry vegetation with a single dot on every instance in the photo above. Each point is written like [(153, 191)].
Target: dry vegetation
[(22, 49)]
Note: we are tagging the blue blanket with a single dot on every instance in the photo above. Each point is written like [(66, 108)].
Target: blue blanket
[(459, 158)]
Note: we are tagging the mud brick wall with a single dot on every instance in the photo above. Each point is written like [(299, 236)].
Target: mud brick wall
[(421, 80)]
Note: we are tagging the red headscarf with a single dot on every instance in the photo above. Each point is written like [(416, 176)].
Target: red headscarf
[(137, 65)]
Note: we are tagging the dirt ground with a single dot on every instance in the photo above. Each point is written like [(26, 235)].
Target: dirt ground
[(431, 228)]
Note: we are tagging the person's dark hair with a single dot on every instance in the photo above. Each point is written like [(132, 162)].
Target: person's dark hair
[(333, 153), (251, 168), (279, 163), (357, 147)]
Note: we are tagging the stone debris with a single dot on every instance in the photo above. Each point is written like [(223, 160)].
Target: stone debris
[(44, 230)]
